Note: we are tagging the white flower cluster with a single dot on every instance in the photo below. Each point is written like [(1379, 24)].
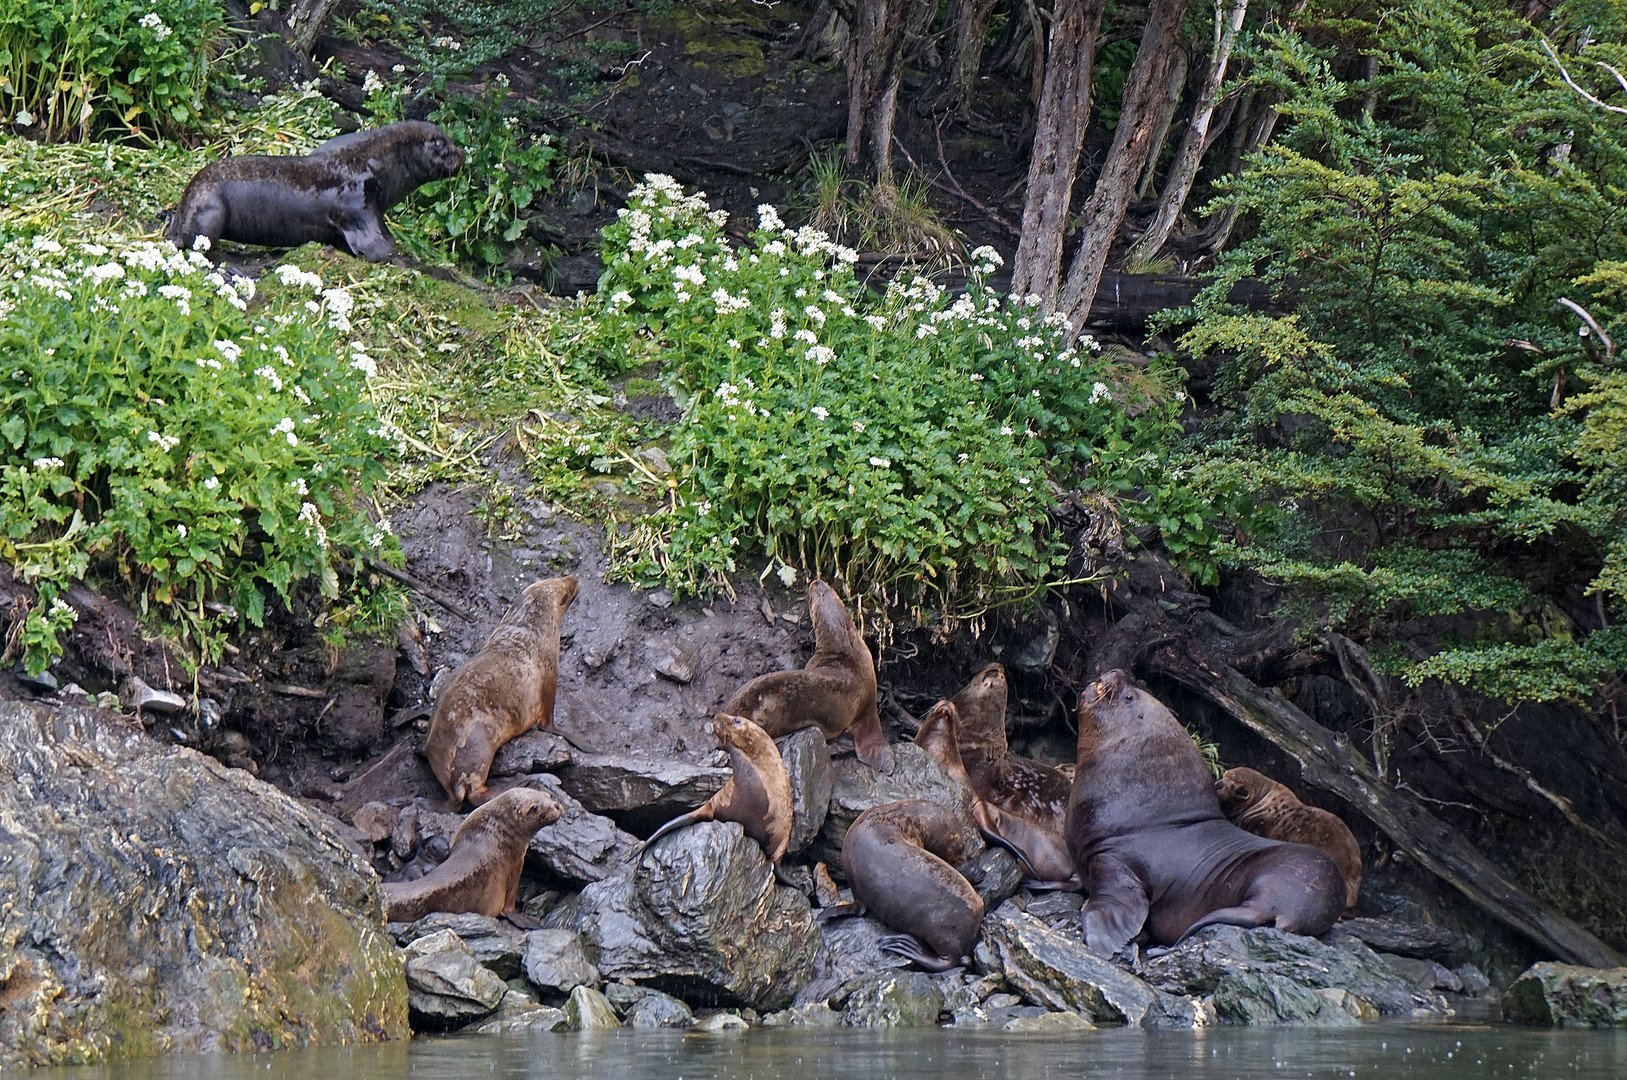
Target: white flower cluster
[(726, 304), (166, 443), (312, 517), (152, 22)]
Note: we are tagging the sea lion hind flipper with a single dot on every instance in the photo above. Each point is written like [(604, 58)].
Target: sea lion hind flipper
[(1117, 908), (366, 236), (694, 817), (909, 948), (869, 742), (852, 909)]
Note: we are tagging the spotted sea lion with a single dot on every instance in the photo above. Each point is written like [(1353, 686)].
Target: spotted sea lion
[(900, 859), (1262, 806), (481, 874), (337, 194), (1145, 827), (506, 690), (835, 691), (758, 796)]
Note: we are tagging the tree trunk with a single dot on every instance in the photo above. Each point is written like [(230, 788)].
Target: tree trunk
[(1166, 116), (968, 24), (823, 36), (1184, 169), (1059, 134), (1218, 229), (305, 21), (878, 30), (1143, 95)]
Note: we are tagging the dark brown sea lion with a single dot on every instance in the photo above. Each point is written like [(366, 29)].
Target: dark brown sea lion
[(900, 859), (1262, 806), (482, 872), (835, 691), (758, 796), (1146, 828), (1042, 851), (504, 691), (337, 194)]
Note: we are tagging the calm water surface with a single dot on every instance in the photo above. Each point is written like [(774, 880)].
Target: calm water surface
[(1417, 1053)]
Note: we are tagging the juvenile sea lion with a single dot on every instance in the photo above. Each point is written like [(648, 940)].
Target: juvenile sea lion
[(835, 691), (337, 194), (505, 691), (758, 796), (1145, 827), (1041, 850), (1262, 806), (900, 859), (482, 872)]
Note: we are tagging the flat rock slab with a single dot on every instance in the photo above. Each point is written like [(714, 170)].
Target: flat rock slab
[(153, 900), (533, 752), (581, 846), (808, 764), (555, 961), (446, 985), (1565, 995), (639, 792), (495, 943), (1050, 968), (1414, 939)]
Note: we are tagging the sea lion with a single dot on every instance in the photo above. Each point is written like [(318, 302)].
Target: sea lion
[(504, 691), (1262, 806), (758, 796), (1041, 850), (482, 872), (835, 691), (337, 194), (1145, 827), (900, 858)]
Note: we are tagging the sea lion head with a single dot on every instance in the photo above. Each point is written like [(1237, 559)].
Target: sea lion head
[(544, 599), (981, 711), (937, 736), (1114, 703), (434, 155), (1240, 789), (834, 631), (517, 812), (739, 732)]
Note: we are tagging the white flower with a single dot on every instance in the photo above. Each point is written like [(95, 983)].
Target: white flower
[(815, 314), (1005, 429), (620, 297), (47, 463), (985, 260), (821, 354), (774, 247), (24, 118), (200, 243), (734, 343), (787, 575), (399, 68), (289, 274), (269, 374), (106, 271), (231, 350), (975, 377), (877, 322), (776, 323), (212, 483), (806, 335), (1099, 391), (818, 410), (182, 530), (285, 428), (881, 462), (372, 84), (165, 443), (768, 219), (964, 458), (152, 22), (1023, 480), (858, 426)]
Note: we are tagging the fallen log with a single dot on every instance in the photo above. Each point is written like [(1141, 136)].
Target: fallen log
[(1326, 762)]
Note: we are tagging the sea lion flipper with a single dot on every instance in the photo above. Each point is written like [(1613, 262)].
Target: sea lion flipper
[(1247, 917), (1117, 908), (869, 742), (365, 236), (694, 817), (852, 909), (909, 948)]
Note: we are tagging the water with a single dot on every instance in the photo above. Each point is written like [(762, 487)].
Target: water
[(1376, 1051)]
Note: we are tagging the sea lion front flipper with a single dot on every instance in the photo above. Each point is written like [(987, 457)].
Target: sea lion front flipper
[(852, 909), (1117, 908), (909, 948), (1246, 917), (365, 236), (870, 744)]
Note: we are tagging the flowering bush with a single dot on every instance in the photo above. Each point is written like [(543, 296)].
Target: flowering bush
[(138, 64), (904, 443), (156, 427)]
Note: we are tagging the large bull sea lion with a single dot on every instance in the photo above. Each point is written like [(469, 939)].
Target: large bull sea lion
[(1262, 806), (758, 796), (1145, 828), (506, 690), (835, 691)]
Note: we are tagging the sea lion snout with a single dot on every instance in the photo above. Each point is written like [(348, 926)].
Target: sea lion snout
[(1108, 685), (560, 590)]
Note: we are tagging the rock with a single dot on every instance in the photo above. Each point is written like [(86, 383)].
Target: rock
[(579, 847), (1050, 1024), (153, 900), (1261, 998), (893, 999), (498, 945), (657, 459), (519, 1015), (676, 662), (588, 1010), (446, 985), (45, 682), (1419, 940), (816, 1015), (807, 762), (1423, 973), (556, 962), (1056, 970), (1220, 957), (658, 1010), (139, 697), (535, 751), (915, 775), (1031, 643), (701, 910), (849, 950), (375, 821), (641, 793), (660, 598), (1473, 979), (1058, 910), (721, 1021), (997, 875), (1565, 995), (1002, 1001)]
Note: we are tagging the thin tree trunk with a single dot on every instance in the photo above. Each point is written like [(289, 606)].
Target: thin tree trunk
[(878, 30), (968, 25), (1143, 93), (1218, 229), (1059, 135), (1184, 169), (1166, 116), (305, 21)]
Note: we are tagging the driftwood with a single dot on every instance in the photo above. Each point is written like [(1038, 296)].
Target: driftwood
[(1326, 762), (1132, 299)]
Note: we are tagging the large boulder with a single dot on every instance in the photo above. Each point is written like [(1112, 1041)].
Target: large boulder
[(581, 846), (639, 792), (893, 999), (1054, 969), (496, 943), (153, 900), (1399, 937), (1564, 995), (446, 985), (555, 962), (701, 916), (808, 764), (916, 775)]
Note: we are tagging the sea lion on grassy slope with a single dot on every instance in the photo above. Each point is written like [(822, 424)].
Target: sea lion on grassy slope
[(337, 194), (758, 796), (835, 691), (1145, 828), (900, 859), (505, 691), (1041, 850), (1262, 806), (482, 872)]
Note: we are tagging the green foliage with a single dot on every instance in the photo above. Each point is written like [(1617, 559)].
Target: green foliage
[(1393, 445), (74, 67), (482, 30), (155, 428)]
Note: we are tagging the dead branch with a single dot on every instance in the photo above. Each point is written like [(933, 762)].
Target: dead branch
[(1570, 82)]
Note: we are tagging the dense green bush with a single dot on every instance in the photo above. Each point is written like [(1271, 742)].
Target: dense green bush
[(154, 426), (71, 66)]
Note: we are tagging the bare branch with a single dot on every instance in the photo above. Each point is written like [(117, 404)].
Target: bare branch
[(1570, 82), (1598, 331)]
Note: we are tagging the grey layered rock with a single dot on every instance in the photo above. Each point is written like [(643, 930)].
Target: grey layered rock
[(1055, 970), (996, 875), (657, 1010), (915, 775), (1473, 979), (816, 1015), (533, 752), (849, 950), (893, 999), (1260, 998), (555, 961), (153, 900), (588, 1010), (1056, 1023), (446, 985), (807, 762), (642, 792), (581, 846), (1565, 995), (1424, 973), (519, 1014), (722, 1021), (1418, 940), (497, 944), (701, 911)]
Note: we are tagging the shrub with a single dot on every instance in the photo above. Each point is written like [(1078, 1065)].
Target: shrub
[(158, 429)]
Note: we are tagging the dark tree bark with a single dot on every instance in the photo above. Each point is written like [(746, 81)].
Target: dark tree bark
[(1059, 134), (877, 31), (1166, 116), (1254, 134), (1104, 213), (968, 25)]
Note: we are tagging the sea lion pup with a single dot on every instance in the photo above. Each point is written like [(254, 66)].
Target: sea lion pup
[(504, 691), (337, 194), (482, 872), (1262, 806), (758, 796), (900, 859), (1041, 850), (835, 691), (1145, 828)]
